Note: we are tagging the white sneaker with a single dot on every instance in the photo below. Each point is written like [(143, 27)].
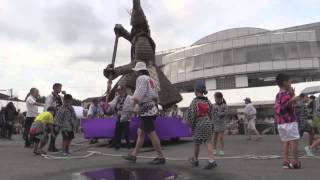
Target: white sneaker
[(221, 153), (214, 152), (308, 151)]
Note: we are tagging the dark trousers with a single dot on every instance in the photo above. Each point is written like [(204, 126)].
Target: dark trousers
[(122, 128), (3, 131), (27, 127), (52, 144), (9, 130)]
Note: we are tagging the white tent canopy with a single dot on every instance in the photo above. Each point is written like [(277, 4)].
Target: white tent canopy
[(311, 90), (258, 94)]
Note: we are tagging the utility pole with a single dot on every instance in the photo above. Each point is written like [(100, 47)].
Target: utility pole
[(10, 93)]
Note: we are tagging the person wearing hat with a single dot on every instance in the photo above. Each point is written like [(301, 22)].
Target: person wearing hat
[(143, 49), (122, 106), (200, 118), (251, 115), (146, 96)]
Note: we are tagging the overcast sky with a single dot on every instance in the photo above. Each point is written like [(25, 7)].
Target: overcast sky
[(71, 41)]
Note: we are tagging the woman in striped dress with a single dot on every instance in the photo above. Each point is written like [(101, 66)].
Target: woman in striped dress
[(199, 116), (219, 121)]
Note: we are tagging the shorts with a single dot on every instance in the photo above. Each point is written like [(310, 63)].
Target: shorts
[(147, 123), (306, 128), (67, 135), (288, 131), (252, 124)]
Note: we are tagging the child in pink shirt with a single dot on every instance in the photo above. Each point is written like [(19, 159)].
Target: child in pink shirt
[(287, 122)]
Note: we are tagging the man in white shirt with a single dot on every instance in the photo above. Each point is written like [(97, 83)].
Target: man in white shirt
[(32, 112), (54, 100), (251, 115)]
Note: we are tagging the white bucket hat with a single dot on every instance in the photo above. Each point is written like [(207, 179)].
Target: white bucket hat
[(140, 66)]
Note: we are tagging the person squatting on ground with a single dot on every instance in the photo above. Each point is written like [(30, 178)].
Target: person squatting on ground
[(65, 119), (54, 100), (32, 113), (10, 114), (146, 96), (302, 114), (287, 122), (251, 115), (200, 117), (122, 106), (219, 122), (42, 125)]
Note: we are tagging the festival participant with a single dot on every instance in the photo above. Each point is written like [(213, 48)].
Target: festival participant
[(200, 118), (32, 112), (251, 115), (219, 122), (95, 111), (309, 149), (301, 112), (2, 123), (10, 114), (287, 122), (146, 95), (65, 119), (122, 105), (54, 100), (40, 128), (19, 122)]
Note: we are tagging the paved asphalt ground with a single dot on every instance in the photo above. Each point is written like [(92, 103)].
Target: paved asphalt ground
[(19, 163)]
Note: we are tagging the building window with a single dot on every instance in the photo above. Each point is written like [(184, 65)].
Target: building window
[(181, 66), (305, 50), (226, 82), (292, 50), (278, 52), (240, 55), (189, 64), (166, 70), (259, 53), (227, 57), (207, 60), (198, 63), (217, 59), (315, 47), (174, 69)]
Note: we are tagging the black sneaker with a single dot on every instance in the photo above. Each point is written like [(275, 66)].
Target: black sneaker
[(53, 150), (211, 165), (130, 158), (158, 161), (194, 162)]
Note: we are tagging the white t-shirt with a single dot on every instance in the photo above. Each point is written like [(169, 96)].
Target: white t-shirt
[(147, 94), (32, 109), (250, 110)]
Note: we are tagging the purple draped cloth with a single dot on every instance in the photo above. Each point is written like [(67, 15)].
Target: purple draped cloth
[(166, 128)]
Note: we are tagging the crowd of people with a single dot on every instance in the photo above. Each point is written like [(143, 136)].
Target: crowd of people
[(11, 121), (294, 116)]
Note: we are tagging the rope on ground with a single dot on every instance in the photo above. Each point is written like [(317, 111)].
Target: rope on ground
[(244, 157)]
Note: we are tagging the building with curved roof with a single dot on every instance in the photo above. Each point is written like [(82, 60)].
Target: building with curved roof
[(245, 57)]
